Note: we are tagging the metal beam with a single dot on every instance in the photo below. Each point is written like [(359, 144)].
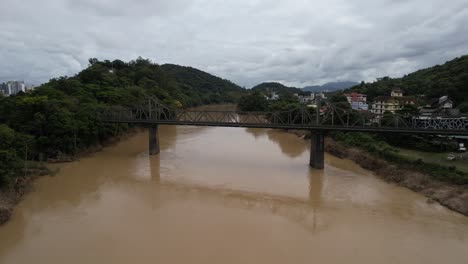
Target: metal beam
[(332, 118), (301, 127)]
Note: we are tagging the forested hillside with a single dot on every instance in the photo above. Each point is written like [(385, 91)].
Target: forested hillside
[(202, 87), (275, 87), (449, 79), (59, 118)]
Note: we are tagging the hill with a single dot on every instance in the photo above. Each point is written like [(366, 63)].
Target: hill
[(188, 86), (197, 83), (330, 87), (449, 79), (59, 119), (275, 87)]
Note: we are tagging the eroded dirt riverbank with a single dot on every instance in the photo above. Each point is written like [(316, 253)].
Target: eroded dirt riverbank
[(452, 196)]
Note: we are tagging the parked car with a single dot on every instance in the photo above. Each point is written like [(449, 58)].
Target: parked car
[(462, 147), (451, 157)]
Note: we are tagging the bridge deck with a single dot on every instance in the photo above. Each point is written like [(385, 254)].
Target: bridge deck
[(300, 127), (327, 118)]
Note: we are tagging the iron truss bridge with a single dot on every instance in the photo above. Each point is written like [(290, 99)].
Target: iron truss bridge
[(329, 118)]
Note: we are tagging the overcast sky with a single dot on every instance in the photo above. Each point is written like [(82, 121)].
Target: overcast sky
[(296, 42)]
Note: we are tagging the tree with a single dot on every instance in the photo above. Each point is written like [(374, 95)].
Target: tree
[(93, 61), (409, 110), (340, 101), (463, 107), (10, 163), (338, 98), (255, 101)]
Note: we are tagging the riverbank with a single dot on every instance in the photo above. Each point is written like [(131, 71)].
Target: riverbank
[(452, 196), (12, 194)]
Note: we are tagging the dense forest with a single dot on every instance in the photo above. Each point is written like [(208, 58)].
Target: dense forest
[(200, 87), (59, 118), (449, 79)]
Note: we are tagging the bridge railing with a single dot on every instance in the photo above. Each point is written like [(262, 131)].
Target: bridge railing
[(330, 116)]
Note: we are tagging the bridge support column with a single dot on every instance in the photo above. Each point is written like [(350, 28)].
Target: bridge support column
[(153, 140), (317, 150)]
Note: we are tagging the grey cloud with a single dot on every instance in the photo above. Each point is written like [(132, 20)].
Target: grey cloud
[(297, 42), (128, 8)]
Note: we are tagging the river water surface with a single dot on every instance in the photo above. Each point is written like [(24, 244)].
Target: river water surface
[(225, 195)]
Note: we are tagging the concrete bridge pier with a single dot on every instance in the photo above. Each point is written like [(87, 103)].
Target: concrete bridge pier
[(317, 150), (153, 139)]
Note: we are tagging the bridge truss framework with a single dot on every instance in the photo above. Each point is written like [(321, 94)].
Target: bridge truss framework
[(319, 120)]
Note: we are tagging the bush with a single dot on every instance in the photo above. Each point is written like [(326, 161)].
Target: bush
[(10, 166)]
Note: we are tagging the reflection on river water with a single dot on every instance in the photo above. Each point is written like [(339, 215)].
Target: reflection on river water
[(225, 195)]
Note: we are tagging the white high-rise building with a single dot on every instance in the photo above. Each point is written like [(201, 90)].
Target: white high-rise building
[(12, 87)]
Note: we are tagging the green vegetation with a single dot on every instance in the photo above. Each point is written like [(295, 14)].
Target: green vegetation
[(285, 103), (269, 87), (461, 161), (463, 107), (254, 101), (429, 143), (340, 101), (449, 79), (59, 119), (382, 149), (199, 87), (10, 162)]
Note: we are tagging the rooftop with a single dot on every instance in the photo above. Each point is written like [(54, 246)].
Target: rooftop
[(390, 98), (354, 94)]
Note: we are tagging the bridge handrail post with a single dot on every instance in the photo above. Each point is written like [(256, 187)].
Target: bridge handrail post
[(149, 109), (347, 119), (317, 111)]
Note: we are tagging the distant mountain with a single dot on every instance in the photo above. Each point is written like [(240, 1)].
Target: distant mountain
[(330, 87), (275, 87)]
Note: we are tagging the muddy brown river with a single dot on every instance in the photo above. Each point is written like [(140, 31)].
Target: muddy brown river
[(225, 195)]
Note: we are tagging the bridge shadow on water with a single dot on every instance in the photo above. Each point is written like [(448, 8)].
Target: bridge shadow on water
[(302, 211), (288, 143)]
